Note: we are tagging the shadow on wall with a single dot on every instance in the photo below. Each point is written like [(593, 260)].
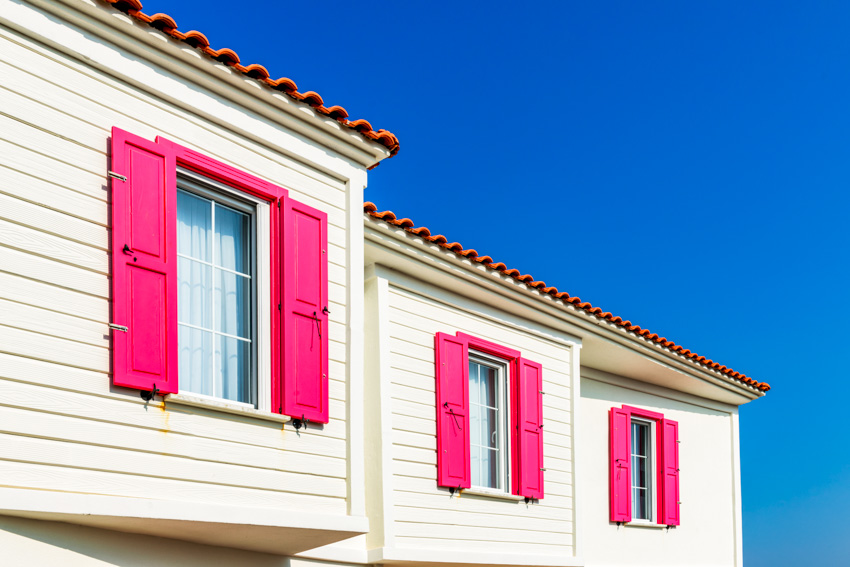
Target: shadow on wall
[(36, 542)]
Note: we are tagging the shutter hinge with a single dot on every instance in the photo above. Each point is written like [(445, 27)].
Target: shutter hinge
[(116, 327), (278, 306), (544, 470), (278, 203), (117, 176), (542, 392)]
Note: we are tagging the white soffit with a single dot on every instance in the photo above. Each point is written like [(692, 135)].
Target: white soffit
[(267, 530)]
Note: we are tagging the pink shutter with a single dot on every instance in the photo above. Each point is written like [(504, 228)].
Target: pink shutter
[(144, 264), (452, 361), (669, 473), (621, 466), (529, 445), (304, 311)]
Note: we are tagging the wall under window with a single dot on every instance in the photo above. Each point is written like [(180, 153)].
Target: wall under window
[(706, 535)]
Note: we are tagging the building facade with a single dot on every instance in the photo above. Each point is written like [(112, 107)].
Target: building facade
[(212, 352)]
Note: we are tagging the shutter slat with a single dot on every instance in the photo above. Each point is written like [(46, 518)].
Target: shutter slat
[(669, 472), (144, 264), (304, 290), (452, 362), (529, 458), (621, 467)]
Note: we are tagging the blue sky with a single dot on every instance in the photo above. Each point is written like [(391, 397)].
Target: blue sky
[(683, 166)]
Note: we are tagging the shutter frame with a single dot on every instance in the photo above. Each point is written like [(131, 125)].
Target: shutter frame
[(452, 389), (144, 219), (620, 468), (529, 428), (669, 477), (303, 377)]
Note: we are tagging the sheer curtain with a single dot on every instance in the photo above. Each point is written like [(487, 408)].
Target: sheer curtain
[(214, 298)]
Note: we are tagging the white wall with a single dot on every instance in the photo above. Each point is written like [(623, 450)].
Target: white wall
[(63, 426), (418, 514), (708, 534)]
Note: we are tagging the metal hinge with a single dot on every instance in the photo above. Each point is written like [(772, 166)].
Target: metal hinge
[(117, 176), (116, 327)]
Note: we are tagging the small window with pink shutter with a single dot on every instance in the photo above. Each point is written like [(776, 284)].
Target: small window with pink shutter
[(644, 467), (490, 422)]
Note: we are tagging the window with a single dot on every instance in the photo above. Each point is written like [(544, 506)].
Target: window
[(216, 294), (644, 467), (219, 281), (490, 421), (642, 488)]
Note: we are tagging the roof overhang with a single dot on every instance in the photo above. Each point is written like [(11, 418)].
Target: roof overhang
[(605, 345), (44, 21)]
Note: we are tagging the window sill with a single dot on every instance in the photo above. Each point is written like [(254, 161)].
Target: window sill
[(225, 406), (644, 524), (491, 494)]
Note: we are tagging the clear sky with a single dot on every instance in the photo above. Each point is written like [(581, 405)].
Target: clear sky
[(683, 165)]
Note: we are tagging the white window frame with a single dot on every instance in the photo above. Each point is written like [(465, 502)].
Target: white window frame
[(503, 394), (261, 304), (651, 471)]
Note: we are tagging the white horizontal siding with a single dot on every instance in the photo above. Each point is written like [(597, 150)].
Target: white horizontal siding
[(62, 425), (428, 517)]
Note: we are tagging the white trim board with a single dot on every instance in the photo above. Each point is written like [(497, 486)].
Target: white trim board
[(267, 530)]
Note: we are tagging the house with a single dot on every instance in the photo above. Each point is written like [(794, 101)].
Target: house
[(212, 352)]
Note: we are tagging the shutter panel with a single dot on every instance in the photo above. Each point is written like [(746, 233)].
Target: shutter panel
[(621, 466), (452, 361), (529, 429), (304, 313), (144, 264), (669, 473)]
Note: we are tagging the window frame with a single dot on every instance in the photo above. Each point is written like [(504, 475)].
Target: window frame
[(224, 195), (657, 477), (651, 470), (241, 186), (503, 395)]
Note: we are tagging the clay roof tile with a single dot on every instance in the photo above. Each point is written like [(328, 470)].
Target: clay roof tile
[(197, 40)]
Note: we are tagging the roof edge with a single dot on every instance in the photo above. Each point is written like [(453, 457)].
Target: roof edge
[(197, 40), (639, 333)]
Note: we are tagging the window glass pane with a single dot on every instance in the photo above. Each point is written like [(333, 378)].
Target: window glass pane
[(232, 239), (195, 360), (488, 466), (488, 392), (232, 304), (194, 293), (233, 365), (475, 465), (490, 430), (473, 382), (194, 224)]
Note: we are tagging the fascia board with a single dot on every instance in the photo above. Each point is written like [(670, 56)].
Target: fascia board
[(417, 253)]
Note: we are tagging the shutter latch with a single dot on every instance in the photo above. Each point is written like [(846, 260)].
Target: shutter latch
[(116, 327), (117, 176)]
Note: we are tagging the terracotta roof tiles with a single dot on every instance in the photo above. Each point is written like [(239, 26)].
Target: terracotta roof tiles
[(197, 40), (423, 232)]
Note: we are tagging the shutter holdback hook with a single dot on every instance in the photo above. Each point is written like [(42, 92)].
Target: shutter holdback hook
[(148, 396)]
